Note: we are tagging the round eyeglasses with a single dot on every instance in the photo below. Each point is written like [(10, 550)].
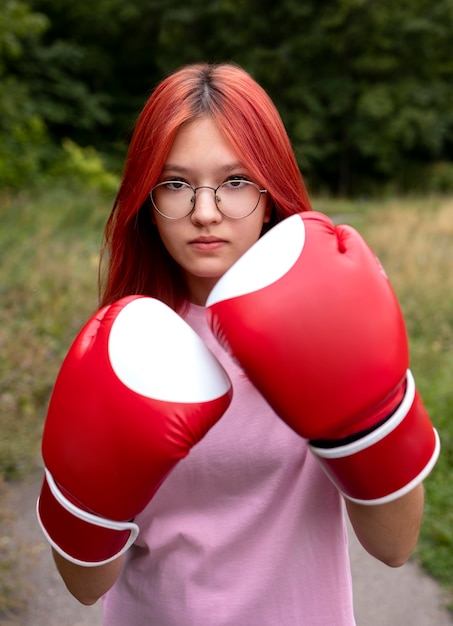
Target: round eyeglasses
[(235, 198)]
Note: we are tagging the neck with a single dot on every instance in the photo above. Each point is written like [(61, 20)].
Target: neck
[(199, 290)]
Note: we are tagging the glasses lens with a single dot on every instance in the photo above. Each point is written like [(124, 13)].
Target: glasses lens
[(237, 198), (173, 199), (234, 198)]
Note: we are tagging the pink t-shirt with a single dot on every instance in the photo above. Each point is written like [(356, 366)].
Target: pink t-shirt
[(247, 530)]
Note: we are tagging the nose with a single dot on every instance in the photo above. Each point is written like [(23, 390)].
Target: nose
[(205, 209)]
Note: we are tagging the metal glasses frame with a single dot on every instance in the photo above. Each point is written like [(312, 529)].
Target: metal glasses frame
[(193, 200)]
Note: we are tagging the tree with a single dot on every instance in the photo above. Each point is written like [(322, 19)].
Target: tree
[(22, 130), (364, 88)]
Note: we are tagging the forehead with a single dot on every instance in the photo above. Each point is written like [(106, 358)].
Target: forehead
[(200, 144)]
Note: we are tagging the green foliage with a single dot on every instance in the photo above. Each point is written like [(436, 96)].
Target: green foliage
[(65, 100), (18, 24), (23, 136), (83, 168), (439, 177), (364, 88)]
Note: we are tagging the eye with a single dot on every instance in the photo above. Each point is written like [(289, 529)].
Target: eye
[(236, 182), (175, 185)]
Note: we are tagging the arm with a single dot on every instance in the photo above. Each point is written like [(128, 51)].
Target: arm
[(389, 532), (87, 584)]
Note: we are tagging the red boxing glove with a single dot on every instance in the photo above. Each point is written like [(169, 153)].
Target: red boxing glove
[(310, 315), (137, 390)]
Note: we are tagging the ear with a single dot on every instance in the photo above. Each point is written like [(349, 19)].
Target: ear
[(268, 211)]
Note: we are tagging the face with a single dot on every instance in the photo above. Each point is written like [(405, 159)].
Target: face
[(205, 244)]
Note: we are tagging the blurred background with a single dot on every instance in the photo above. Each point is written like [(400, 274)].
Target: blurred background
[(365, 90)]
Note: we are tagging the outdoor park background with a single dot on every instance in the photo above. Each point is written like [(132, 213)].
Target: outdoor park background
[(366, 93)]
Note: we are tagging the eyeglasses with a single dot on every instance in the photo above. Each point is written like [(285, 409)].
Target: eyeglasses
[(235, 198)]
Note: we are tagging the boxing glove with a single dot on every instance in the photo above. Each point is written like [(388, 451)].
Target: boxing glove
[(310, 315), (136, 391)]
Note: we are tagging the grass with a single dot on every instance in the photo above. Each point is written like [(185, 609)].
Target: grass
[(49, 247)]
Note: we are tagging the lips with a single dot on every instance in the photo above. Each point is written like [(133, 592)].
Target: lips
[(207, 239), (207, 243)]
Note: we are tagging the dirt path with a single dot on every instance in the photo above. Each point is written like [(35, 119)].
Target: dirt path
[(383, 596)]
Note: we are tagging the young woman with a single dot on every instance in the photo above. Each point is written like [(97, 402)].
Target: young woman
[(247, 529)]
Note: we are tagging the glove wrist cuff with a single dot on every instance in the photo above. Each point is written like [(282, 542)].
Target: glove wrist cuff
[(373, 436), (389, 461), (56, 513)]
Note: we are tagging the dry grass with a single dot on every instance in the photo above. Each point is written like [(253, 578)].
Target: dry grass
[(414, 242)]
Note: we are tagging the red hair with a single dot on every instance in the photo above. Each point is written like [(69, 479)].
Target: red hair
[(138, 263)]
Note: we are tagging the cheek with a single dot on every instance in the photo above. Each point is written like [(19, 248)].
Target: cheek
[(168, 233), (250, 235)]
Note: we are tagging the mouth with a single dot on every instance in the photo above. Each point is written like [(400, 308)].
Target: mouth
[(207, 243)]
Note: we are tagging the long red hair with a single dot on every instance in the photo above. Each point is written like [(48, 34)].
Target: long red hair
[(137, 261)]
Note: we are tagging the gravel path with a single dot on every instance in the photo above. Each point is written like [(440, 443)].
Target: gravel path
[(383, 596)]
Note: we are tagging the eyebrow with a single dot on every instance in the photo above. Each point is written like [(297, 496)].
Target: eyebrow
[(230, 167)]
